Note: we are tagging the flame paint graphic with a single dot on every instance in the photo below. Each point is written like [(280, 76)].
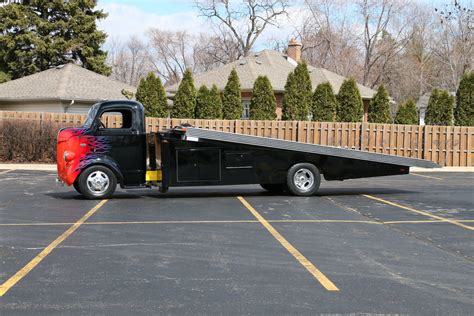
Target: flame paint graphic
[(86, 148)]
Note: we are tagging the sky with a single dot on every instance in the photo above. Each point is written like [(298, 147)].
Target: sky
[(128, 17), (134, 17)]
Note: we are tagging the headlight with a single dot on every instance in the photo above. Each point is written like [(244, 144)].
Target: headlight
[(68, 156)]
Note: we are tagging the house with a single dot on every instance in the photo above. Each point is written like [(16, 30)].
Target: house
[(422, 105), (67, 88), (5, 2), (276, 66)]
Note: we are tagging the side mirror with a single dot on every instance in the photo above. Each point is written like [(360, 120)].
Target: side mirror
[(100, 125)]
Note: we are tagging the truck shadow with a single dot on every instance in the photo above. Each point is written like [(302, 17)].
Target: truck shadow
[(197, 193), (177, 193)]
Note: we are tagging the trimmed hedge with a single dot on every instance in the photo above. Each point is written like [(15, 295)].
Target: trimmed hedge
[(28, 141)]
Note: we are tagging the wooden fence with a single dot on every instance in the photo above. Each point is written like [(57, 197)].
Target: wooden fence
[(445, 145)]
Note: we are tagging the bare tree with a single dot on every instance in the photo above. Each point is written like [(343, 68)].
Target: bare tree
[(327, 38), (245, 20), (454, 49), (383, 35), (171, 53), (407, 45), (415, 66), (212, 50), (174, 52), (129, 60)]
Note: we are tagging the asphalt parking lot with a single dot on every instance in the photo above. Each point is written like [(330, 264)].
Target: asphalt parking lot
[(391, 245)]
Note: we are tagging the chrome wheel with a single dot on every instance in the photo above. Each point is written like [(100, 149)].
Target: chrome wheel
[(98, 182), (303, 179)]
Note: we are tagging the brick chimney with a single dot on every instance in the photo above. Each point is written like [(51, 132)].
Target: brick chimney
[(294, 50)]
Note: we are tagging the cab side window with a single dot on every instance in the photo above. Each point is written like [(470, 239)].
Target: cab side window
[(116, 119)]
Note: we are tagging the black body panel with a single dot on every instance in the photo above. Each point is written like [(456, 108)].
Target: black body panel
[(127, 147), (198, 164), (194, 163)]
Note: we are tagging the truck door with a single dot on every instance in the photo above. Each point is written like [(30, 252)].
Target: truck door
[(125, 142)]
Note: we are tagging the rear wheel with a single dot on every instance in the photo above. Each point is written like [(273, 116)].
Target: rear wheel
[(274, 187), (97, 182), (303, 179)]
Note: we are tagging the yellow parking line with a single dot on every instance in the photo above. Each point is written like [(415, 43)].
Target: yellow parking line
[(425, 176), (6, 171), (325, 282), (454, 222), (46, 251)]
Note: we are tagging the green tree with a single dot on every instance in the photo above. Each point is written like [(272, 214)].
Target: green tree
[(161, 108), (152, 95), (231, 99), (464, 111), (349, 102), (184, 102), (4, 77), (204, 108), (324, 103), (142, 92), (263, 102), (298, 92), (379, 107), (289, 102), (44, 34), (216, 101), (440, 108), (407, 113)]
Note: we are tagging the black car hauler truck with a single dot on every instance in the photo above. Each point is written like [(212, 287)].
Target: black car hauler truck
[(95, 158)]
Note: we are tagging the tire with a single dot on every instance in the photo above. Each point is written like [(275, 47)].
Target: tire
[(303, 179), (97, 182), (76, 186), (274, 187)]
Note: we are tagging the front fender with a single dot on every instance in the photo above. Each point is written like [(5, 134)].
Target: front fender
[(105, 161)]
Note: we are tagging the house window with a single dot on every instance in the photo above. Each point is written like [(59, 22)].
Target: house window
[(245, 109)]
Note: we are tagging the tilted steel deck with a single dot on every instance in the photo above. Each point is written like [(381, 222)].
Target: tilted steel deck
[(192, 133)]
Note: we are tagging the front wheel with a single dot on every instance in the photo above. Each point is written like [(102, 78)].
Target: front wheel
[(76, 186), (303, 179), (97, 182)]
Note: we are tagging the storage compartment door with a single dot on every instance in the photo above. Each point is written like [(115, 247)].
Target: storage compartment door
[(198, 164)]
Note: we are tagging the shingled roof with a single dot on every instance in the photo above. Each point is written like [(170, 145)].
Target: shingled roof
[(66, 82), (276, 66)]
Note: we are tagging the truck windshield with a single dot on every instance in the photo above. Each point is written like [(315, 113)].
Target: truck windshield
[(91, 115)]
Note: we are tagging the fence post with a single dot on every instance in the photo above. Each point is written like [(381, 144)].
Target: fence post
[(469, 149), (299, 129), (361, 138), (423, 145)]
